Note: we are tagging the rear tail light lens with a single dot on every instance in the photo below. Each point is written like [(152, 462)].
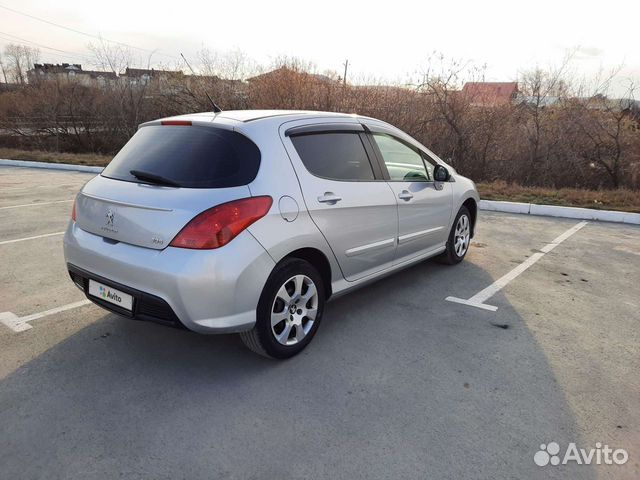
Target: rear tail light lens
[(73, 211), (219, 225)]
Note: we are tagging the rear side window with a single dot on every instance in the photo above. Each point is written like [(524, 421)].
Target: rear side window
[(337, 156), (189, 156)]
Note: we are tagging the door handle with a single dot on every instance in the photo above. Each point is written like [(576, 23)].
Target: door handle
[(330, 198), (405, 195)]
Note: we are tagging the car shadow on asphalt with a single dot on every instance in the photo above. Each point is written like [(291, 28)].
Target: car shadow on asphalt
[(398, 383)]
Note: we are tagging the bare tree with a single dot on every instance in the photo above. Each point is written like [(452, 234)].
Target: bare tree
[(229, 65), (541, 90), (111, 58), (19, 60), (4, 70), (609, 133), (441, 83)]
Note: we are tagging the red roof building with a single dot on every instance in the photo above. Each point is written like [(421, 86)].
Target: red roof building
[(490, 94)]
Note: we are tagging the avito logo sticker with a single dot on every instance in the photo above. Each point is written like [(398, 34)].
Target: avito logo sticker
[(549, 454), (106, 293)]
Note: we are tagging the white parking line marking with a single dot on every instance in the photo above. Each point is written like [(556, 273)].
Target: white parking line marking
[(31, 238), (20, 324), (483, 295), (35, 204)]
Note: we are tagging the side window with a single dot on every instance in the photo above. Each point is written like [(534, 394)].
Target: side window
[(403, 162), (337, 156)]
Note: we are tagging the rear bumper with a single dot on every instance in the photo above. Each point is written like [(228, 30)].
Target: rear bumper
[(145, 306), (207, 291)]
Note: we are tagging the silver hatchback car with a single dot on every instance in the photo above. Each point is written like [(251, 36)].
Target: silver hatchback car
[(249, 221)]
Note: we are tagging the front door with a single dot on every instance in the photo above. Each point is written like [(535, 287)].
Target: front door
[(424, 206)]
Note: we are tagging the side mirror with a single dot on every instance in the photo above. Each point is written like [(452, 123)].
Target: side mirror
[(441, 174)]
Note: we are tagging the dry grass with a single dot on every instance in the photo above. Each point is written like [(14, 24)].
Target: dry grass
[(623, 200), (56, 157)]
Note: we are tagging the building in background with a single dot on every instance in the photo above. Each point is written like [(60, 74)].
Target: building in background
[(151, 76), (490, 94), (68, 72)]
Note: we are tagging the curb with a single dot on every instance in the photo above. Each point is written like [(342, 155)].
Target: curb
[(50, 166), (559, 211)]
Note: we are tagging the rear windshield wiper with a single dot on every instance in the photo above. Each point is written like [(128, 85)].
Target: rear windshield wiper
[(153, 178)]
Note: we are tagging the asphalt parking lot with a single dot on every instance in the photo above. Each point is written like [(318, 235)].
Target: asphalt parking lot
[(398, 383)]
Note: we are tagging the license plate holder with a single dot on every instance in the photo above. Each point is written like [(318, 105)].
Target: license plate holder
[(111, 295)]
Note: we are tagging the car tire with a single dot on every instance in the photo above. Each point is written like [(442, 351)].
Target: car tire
[(289, 310), (459, 238)]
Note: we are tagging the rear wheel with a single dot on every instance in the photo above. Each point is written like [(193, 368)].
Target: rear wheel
[(459, 238), (289, 310)]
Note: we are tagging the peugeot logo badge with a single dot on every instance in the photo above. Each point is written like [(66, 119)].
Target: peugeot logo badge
[(109, 216)]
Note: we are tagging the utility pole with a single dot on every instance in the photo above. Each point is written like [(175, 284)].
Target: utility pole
[(346, 67)]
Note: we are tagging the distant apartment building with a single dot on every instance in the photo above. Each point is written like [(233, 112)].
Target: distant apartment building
[(70, 72), (150, 76), (91, 78)]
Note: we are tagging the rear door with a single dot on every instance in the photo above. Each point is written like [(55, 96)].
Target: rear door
[(345, 195), (162, 178), (424, 206)]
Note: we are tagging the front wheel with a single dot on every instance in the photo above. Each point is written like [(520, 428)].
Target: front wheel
[(289, 311), (459, 238)]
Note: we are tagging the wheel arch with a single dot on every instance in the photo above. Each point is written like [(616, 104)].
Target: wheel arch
[(472, 206), (319, 260)]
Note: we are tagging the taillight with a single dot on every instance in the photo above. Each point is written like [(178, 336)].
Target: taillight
[(219, 225), (73, 211)]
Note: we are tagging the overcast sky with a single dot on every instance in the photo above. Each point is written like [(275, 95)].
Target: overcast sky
[(390, 40)]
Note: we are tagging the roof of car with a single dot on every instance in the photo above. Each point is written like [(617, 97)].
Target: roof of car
[(246, 116), (253, 115)]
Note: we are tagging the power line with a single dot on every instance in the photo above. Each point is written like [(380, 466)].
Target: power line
[(73, 54), (64, 57), (85, 33)]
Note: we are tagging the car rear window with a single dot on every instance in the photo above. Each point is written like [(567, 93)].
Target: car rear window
[(189, 156), (337, 156)]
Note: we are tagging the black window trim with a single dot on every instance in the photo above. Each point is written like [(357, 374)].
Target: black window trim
[(383, 165), (323, 128), (378, 175)]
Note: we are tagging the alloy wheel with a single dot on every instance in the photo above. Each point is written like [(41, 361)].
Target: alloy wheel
[(294, 310), (462, 235)]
